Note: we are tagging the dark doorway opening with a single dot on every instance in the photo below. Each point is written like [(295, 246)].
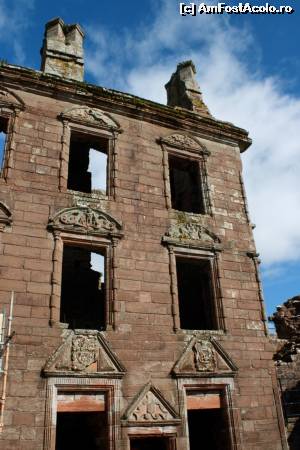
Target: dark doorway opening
[(186, 192), (81, 430), (83, 290), (87, 163), (208, 429), (195, 294), (150, 443)]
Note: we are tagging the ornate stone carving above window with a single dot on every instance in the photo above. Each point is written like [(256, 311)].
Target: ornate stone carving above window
[(10, 100), (85, 220), (90, 116), (204, 357), (5, 216), (185, 142), (84, 353), (150, 408), (190, 233)]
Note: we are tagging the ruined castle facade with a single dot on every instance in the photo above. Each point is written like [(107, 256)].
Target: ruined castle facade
[(137, 310)]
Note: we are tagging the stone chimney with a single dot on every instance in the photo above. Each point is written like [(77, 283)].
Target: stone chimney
[(183, 90), (62, 51)]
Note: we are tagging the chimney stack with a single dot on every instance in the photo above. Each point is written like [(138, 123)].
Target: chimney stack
[(62, 51), (183, 90)]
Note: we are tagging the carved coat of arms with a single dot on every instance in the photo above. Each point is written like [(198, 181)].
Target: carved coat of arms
[(84, 351)]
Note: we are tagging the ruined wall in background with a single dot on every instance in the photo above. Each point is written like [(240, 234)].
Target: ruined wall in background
[(287, 322)]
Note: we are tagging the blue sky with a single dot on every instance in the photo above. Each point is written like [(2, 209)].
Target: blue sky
[(249, 73)]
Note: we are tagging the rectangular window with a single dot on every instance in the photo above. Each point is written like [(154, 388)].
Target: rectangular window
[(83, 288), (81, 422), (195, 294), (185, 183), (3, 137), (87, 163), (207, 421)]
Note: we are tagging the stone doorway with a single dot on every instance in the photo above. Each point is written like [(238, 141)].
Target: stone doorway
[(81, 430), (152, 443), (209, 428)]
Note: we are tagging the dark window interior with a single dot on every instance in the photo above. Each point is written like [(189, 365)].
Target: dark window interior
[(208, 429), (83, 289), (87, 163), (149, 443), (186, 193), (81, 430), (195, 294), (3, 134)]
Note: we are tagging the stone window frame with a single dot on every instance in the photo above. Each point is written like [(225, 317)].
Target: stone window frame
[(226, 387), (188, 147), (110, 387), (92, 122), (212, 256), (11, 105), (68, 234)]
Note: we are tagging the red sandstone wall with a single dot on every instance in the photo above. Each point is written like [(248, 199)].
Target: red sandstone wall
[(144, 339)]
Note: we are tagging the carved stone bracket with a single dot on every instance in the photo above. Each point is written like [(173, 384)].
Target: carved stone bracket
[(184, 142), (5, 216), (84, 353), (204, 358), (150, 408), (92, 117), (85, 220), (191, 233)]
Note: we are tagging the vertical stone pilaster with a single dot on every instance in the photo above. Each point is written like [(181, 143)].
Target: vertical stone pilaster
[(56, 279)]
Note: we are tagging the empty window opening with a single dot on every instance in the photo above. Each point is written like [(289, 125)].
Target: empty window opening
[(150, 443), (81, 430), (208, 421), (3, 135), (195, 294), (185, 181), (83, 288), (87, 163)]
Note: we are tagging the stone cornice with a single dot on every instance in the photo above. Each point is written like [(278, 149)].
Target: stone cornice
[(80, 92)]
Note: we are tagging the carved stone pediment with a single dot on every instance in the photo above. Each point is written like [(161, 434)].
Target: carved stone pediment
[(84, 353), (10, 99), (5, 216), (85, 220), (184, 142), (204, 358), (90, 116), (150, 408), (191, 232)]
